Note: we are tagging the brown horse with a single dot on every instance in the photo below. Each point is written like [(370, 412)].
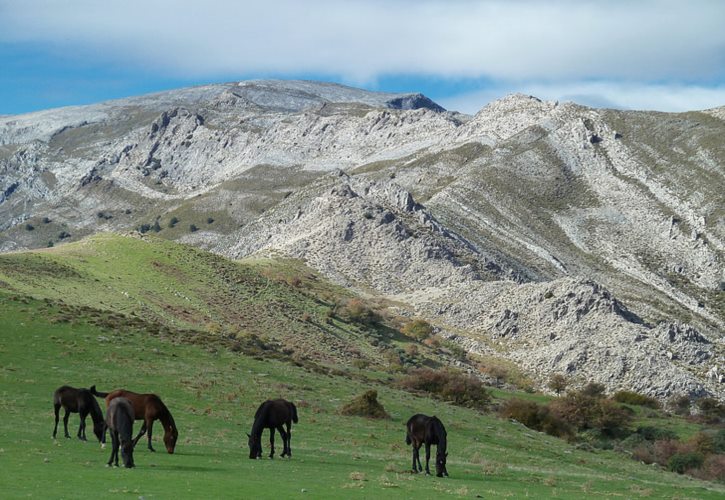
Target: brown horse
[(272, 414), (119, 420), (422, 429), (146, 407), (79, 401)]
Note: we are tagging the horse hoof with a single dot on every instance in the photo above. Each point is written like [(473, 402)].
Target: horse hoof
[(103, 446)]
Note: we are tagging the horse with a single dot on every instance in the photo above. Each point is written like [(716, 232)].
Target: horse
[(146, 407), (423, 429), (272, 414), (79, 401), (119, 419)]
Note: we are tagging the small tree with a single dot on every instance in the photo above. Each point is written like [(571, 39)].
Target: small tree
[(418, 329), (193, 228), (558, 383)]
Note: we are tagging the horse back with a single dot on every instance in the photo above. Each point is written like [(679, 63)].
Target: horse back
[(120, 416), (73, 399), (144, 405), (275, 412)]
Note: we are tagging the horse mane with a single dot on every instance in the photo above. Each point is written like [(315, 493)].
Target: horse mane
[(95, 410), (259, 418), (441, 433), (167, 420)]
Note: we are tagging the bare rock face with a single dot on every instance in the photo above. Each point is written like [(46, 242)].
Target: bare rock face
[(568, 239)]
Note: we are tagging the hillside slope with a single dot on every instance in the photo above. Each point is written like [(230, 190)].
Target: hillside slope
[(394, 197)]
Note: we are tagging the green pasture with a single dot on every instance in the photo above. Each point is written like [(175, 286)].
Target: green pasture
[(213, 394)]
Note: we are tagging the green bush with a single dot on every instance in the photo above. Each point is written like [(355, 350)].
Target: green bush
[(681, 462), (650, 433), (583, 411), (534, 416), (173, 221), (456, 387), (418, 329), (358, 311), (635, 398)]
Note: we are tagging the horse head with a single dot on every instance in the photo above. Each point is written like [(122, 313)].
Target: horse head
[(441, 464), (170, 438), (127, 453), (99, 429), (255, 447)]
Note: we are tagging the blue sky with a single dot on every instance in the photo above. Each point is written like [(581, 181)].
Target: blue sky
[(645, 54)]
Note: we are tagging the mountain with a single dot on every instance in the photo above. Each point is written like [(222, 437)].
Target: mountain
[(570, 240)]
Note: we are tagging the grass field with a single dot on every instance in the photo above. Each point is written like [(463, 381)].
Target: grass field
[(213, 393)]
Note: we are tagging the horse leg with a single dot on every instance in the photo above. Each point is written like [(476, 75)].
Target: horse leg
[(427, 458), (417, 456), (271, 442), (282, 433), (414, 454), (114, 448), (148, 427), (82, 426), (289, 440), (65, 422), (56, 407)]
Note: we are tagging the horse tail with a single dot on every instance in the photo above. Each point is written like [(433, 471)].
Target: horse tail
[(294, 412), (98, 394), (408, 441)]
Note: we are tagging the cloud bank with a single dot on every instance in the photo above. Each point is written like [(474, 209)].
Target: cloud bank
[(548, 44)]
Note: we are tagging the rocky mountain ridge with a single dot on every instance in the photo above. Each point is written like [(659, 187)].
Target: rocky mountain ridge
[(568, 239)]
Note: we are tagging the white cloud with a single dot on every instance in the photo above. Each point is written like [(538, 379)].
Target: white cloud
[(603, 94), (361, 40)]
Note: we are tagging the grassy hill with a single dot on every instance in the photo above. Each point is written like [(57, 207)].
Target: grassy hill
[(208, 335)]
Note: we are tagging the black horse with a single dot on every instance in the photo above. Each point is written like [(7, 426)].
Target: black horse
[(79, 401), (119, 420), (272, 414), (427, 430)]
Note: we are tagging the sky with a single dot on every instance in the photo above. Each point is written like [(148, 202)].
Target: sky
[(630, 54)]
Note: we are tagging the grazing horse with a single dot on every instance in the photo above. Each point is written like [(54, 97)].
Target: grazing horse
[(272, 414), (427, 430), (146, 407), (79, 401), (119, 420)]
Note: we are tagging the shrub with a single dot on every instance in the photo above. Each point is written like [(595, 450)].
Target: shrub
[(663, 450), (558, 383), (209, 220), (594, 390), (635, 398), (193, 228), (156, 227), (454, 386), (365, 405), (46, 220), (681, 462), (711, 409), (144, 228), (701, 443), (358, 311), (680, 405), (50, 244), (655, 433), (713, 468), (534, 416), (63, 235), (583, 411), (718, 441), (173, 221), (418, 329), (29, 227)]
